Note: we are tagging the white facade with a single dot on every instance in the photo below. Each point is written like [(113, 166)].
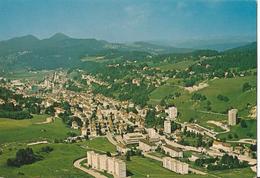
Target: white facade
[(95, 161), (172, 112), (89, 157), (103, 162), (120, 168), (232, 117), (172, 151), (152, 133), (145, 146), (167, 126), (175, 165), (132, 138), (222, 146), (112, 165)]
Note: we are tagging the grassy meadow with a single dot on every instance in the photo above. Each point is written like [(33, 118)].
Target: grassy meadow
[(28, 131), (140, 167), (58, 163)]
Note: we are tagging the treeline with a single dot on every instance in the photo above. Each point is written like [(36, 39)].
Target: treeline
[(16, 106), (223, 163), (27, 156), (18, 115), (23, 156)]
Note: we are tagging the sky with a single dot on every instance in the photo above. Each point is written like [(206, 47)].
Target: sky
[(129, 20)]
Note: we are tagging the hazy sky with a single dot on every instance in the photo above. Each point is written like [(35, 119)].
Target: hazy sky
[(129, 20)]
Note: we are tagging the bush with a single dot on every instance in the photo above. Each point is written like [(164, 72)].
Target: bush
[(23, 156), (47, 149)]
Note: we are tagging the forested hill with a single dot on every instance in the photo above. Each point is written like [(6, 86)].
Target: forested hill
[(243, 58), (61, 51)]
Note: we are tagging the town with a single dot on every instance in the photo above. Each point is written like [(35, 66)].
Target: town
[(123, 124)]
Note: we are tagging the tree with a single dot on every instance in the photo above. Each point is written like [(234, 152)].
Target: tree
[(150, 118), (243, 124), (128, 156), (108, 154), (23, 156), (246, 86)]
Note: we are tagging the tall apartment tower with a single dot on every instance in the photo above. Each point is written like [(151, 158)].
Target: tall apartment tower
[(167, 126), (172, 112), (232, 117), (120, 169)]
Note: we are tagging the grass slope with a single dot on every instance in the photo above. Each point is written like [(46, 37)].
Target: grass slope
[(140, 167), (27, 131), (58, 163)]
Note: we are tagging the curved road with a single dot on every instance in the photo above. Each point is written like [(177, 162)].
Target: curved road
[(92, 172)]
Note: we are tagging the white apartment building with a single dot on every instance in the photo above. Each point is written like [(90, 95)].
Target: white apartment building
[(222, 146), (232, 117), (112, 165), (172, 112), (167, 126), (175, 165), (133, 138), (146, 146), (172, 151), (152, 133)]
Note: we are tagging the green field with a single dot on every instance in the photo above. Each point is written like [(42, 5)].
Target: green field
[(177, 66), (140, 167), (232, 88), (58, 163), (242, 132), (26, 75), (99, 144), (27, 131)]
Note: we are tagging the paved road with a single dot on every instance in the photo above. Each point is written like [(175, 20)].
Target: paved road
[(111, 139), (246, 141), (210, 112), (96, 174)]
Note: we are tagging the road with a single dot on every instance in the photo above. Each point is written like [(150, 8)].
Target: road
[(246, 141), (210, 112), (111, 139), (92, 172)]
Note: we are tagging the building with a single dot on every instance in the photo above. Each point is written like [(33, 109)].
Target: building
[(175, 165), (222, 146), (133, 138), (74, 125), (103, 162), (195, 129), (120, 168), (232, 117), (172, 151), (146, 146), (172, 112), (95, 161), (152, 133), (111, 165), (167, 127), (89, 157)]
